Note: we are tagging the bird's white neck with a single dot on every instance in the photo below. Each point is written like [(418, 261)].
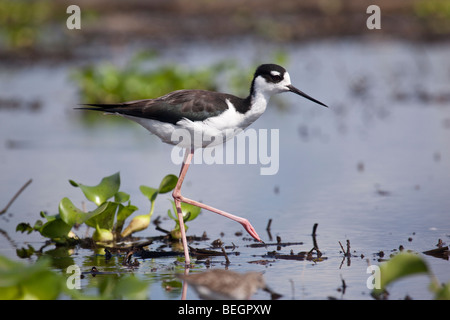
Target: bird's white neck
[(258, 104)]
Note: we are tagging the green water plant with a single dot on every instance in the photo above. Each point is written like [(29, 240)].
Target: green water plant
[(108, 218), (141, 222), (190, 212), (434, 15), (19, 281), (137, 79), (408, 264), (37, 281), (113, 207)]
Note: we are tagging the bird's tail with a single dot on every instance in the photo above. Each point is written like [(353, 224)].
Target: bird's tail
[(100, 107)]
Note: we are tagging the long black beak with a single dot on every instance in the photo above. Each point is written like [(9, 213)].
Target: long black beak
[(304, 95)]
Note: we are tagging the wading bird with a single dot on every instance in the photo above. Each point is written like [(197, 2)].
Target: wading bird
[(214, 117)]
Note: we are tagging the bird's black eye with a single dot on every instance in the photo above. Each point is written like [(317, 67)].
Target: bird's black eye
[(277, 78)]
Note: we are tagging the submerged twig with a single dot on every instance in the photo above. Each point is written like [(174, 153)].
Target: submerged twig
[(226, 256), (315, 245), (344, 285), (15, 196), (347, 254), (269, 223)]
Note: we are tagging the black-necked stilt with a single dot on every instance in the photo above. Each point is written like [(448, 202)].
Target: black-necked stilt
[(215, 117)]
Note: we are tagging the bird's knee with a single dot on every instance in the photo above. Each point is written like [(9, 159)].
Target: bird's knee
[(176, 195)]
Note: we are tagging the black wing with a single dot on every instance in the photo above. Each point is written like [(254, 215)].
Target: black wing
[(195, 105)]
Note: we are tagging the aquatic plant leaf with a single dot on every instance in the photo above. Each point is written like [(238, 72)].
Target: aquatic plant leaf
[(130, 287), (401, 265), (168, 183), (443, 292), (56, 228), (22, 281), (122, 214), (48, 217), (105, 218), (122, 287), (121, 197), (72, 215), (24, 227), (190, 212), (169, 213), (149, 192), (106, 189)]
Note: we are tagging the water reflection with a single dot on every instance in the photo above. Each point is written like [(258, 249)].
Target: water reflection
[(373, 169)]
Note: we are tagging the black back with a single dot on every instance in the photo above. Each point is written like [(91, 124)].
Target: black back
[(195, 105)]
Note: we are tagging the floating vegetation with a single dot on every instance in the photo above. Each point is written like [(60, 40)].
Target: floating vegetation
[(37, 281), (435, 15), (108, 218), (402, 265), (137, 79)]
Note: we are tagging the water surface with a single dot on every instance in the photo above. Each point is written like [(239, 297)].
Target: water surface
[(374, 168)]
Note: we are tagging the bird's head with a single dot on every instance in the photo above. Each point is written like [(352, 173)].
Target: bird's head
[(272, 79)]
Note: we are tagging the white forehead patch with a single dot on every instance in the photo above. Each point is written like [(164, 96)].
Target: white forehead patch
[(275, 73)]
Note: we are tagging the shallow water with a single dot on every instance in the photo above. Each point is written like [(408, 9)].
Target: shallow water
[(374, 168)]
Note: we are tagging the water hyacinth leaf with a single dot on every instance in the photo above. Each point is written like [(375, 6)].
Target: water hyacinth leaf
[(38, 224), (443, 292), (122, 287), (106, 189), (176, 233), (169, 213), (56, 228), (44, 286), (72, 215), (105, 219), (190, 212), (187, 216), (24, 227), (122, 214), (149, 192), (168, 183), (23, 281), (73, 183), (47, 217), (121, 197), (130, 287), (401, 265)]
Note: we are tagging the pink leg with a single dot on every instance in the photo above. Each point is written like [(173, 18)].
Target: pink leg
[(184, 167), (179, 198)]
